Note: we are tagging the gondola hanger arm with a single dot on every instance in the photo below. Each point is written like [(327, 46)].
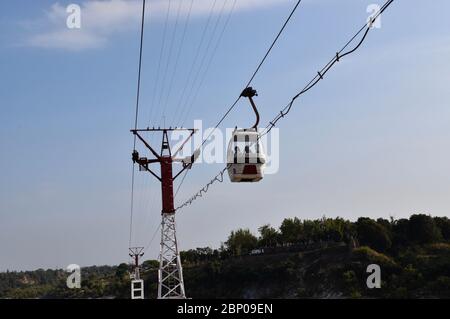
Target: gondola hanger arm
[(249, 93)]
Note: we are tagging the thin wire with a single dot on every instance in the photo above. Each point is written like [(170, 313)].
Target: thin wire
[(203, 78), (131, 205), (169, 57), (252, 77), (161, 52), (256, 71), (172, 78), (274, 42), (194, 62), (320, 76), (136, 118), (152, 238), (151, 198), (138, 93), (193, 83), (210, 61), (218, 178), (181, 183)]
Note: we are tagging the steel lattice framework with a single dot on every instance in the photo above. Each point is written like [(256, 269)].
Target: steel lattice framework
[(170, 274)]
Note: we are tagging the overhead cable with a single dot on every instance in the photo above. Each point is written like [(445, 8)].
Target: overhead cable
[(315, 80)]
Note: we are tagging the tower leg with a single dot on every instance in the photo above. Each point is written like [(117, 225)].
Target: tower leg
[(170, 274)]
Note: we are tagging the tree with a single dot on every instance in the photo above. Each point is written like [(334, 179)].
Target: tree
[(198, 255), (313, 230), (241, 241), (291, 230), (149, 264), (423, 229), (386, 224), (400, 230), (121, 270), (372, 234), (189, 256), (335, 229), (269, 236), (444, 225)]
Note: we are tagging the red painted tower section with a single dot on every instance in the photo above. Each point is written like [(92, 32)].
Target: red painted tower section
[(167, 185), (165, 159), (170, 273)]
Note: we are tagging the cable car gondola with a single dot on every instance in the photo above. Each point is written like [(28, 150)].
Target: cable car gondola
[(245, 155)]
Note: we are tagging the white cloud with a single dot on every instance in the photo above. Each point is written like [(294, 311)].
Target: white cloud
[(74, 40), (101, 19)]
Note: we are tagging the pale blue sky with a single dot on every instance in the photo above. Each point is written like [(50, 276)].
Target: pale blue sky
[(373, 139)]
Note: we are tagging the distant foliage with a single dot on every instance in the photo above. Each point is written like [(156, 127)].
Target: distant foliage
[(373, 234), (443, 223), (372, 256), (423, 229), (269, 236), (325, 257), (240, 242)]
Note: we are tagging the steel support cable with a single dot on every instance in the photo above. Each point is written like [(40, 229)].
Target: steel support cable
[(181, 183), (150, 198), (201, 83), (210, 61), (158, 70), (169, 57), (294, 9), (177, 59), (152, 238), (194, 62), (256, 71), (176, 64), (138, 93), (274, 42), (320, 76), (193, 83)]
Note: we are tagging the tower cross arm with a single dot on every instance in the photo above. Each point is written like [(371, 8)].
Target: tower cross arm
[(146, 168), (193, 131), (135, 132), (187, 162)]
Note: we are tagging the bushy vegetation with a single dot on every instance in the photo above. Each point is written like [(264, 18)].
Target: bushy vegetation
[(324, 258), (96, 282)]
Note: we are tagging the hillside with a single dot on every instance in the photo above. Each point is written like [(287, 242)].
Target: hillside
[(325, 258)]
